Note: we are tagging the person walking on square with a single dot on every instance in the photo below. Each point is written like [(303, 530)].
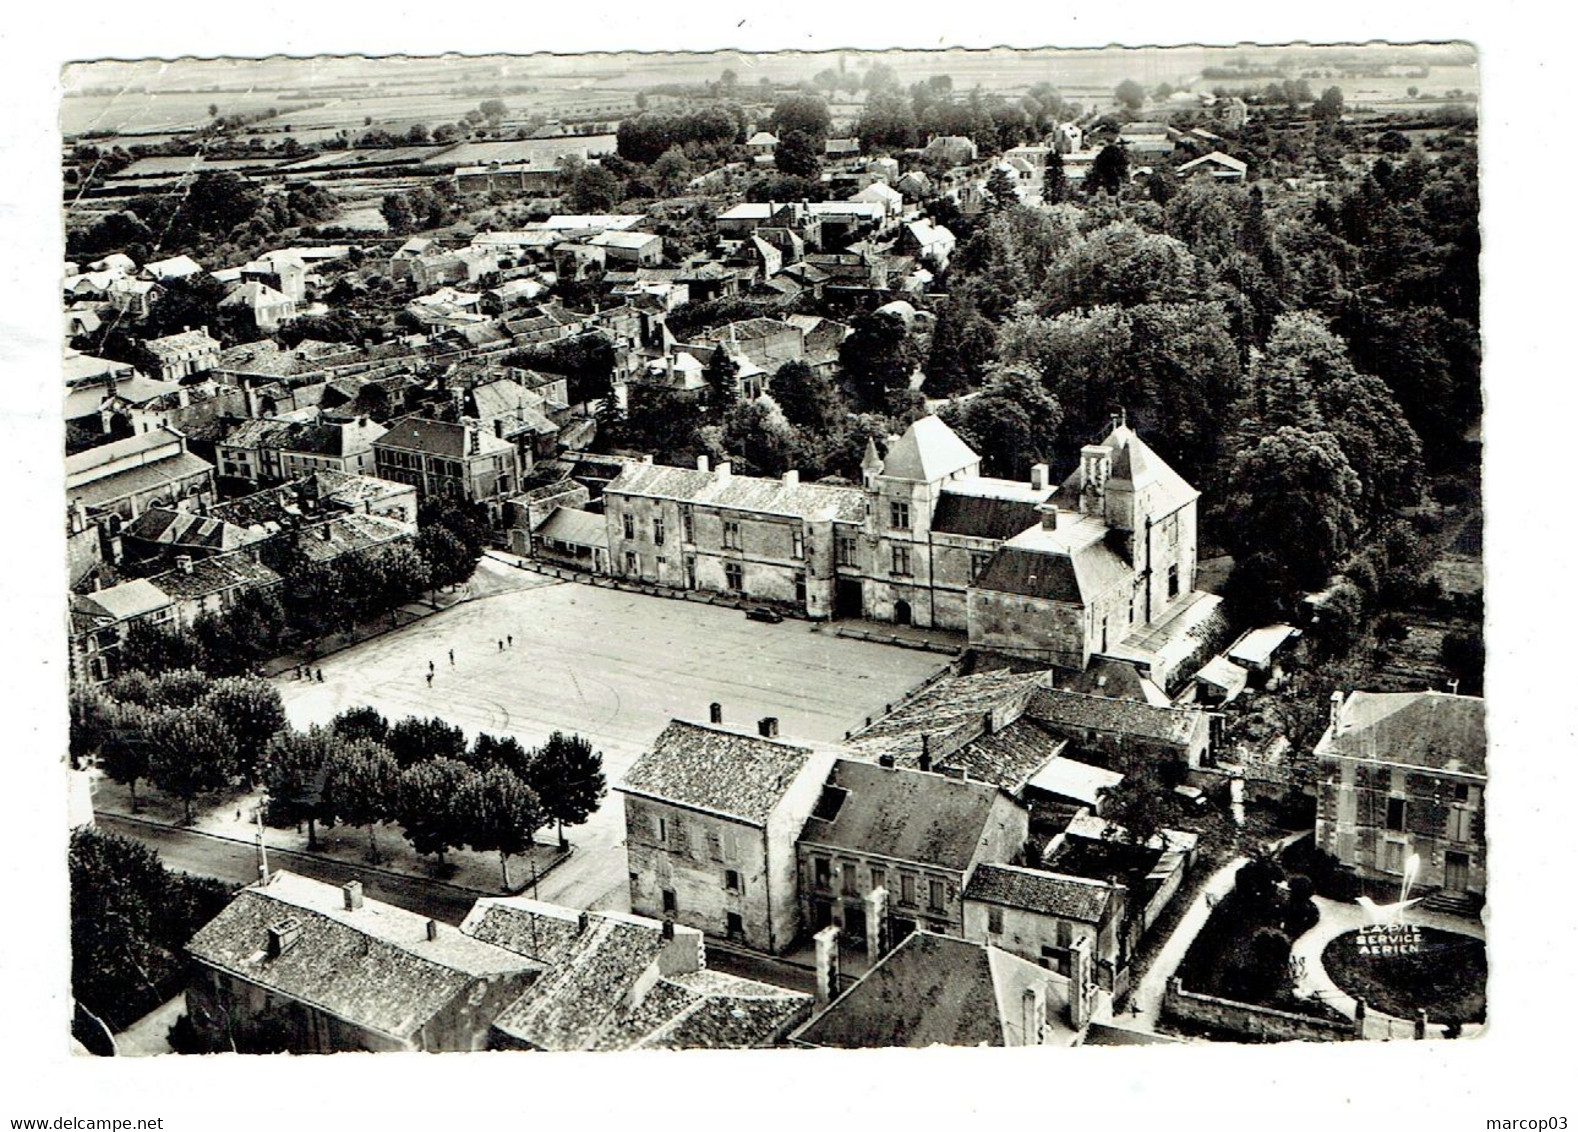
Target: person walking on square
[(501, 646), (430, 679), (510, 637), (430, 670), (451, 658)]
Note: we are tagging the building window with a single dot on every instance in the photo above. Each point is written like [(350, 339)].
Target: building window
[(657, 531), (735, 925), (1065, 934), (1460, 823), (846, 550), (630, 526), (899, 516), (934, 896), (670, 902), (994, 920), (1396, 814), (1172, 581), (799, 586), (662, 831), (822, 872), (731, 535), (714, 845), (731, 880), (879, 877), (731, 846), (979, 561), (799, 544), (690, 526), (1394, 856), (734, 576), (901, 561), (632, 562), (851, 876), (1460, 791), (661, 563), (906, 889)]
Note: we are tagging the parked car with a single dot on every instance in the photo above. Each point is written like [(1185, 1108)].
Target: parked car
[(763, 613)]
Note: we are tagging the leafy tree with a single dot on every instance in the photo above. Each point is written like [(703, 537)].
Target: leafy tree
[(1295, 499), (963, 344), (720, 373), (1131, 95), (1013, 422), (1109, 172), (886, 123), (360, 724), (494, 110), (426, 805), (765, 441), (361, 787), (416, 740), (672, 172), (504, 751), (295, 770), (801, 114), (589, 188), (1002, 191), (130, 920), (397, 213), (1136, 807), (806, 397), (567, 775), (1262, 972), (192, 753), (877, 357), (1054, 181), (252, 711), (154, 648), (182, 687), (94, 717), (798, 154), (448, 563), (1328, 107), (499, 813), (126, 752)]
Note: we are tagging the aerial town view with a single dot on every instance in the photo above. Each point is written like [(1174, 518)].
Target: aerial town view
[(809, 550)]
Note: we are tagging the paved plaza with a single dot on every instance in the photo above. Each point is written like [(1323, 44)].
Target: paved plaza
[(615, 667)]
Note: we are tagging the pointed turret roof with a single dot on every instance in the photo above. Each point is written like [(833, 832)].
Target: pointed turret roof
[(929, 451)]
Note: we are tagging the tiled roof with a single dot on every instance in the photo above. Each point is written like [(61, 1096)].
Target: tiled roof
[(1128, 717), (374, 967), (170, 527), (905, 815), (1034, 890), (347, 534), (726, 772), (1008, 756), (174, 345), (938, 990), (741, 493), (265, 432), (951, 707), (214, 575), (1424, 729), (928, 451)]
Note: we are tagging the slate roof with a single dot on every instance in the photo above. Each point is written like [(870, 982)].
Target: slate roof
[(1073, 563), (439, 438), (938, 990), (146, 477), (928, 451), (906, 815), (1135, 462), (726, 772), (980, 517), (1434, 730), (1035, 890), (741, 493), (1100, 713), (1014, 570), (373, 967), (170, 527)]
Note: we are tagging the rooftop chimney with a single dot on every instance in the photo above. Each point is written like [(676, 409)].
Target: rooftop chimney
[(1336, 707), (498, 428), (703, 464), (184, 563), (1048, 513), (473, 442), (715, 713), (432, 930), (582, 922), (925, 755), (353, 895), (1038, 477), (724, 468), (792, 478), (282, 936), (768, 726), (886, 759), (1095, 468), (668, 928)]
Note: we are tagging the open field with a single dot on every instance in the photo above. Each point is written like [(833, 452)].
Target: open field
[(615, 667)]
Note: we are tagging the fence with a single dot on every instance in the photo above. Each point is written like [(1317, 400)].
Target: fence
[(1254, 1023)]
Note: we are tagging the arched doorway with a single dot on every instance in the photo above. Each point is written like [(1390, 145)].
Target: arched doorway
[(901, 612)]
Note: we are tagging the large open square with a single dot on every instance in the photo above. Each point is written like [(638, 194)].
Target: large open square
[(615, 667)]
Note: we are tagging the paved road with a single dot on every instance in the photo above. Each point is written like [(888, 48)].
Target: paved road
[(614, 667), (236, 863)]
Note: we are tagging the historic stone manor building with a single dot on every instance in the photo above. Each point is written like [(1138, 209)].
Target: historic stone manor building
[(1056, 573)]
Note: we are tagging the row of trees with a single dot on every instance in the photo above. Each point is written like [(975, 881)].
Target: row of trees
[(188, 734), (491, 796), (316, 598)]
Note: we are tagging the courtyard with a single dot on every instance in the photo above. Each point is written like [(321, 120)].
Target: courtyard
[(614, 667)]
